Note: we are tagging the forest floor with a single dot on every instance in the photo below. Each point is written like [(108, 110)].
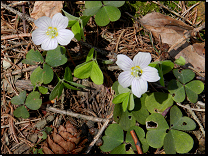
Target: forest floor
[(125, 36)]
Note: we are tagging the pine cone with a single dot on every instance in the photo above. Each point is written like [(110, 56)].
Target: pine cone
[(64, 141)]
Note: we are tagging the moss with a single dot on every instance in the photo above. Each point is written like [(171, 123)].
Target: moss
[(142, 8)]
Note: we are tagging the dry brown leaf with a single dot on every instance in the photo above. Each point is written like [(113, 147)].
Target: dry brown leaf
[(190, 55), (170, 31), (46, 8), (156, 19), (200, 48)]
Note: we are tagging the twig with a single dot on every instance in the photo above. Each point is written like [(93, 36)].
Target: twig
[(22, 122), (119, 38), (193, 109), (20, 71), (194, 116), (136, 142), (76, 115), (22, 16), (16, 36), (23, 20), (98, 134), (196, 119), (185, 12), (17, 45), (173, 12), (196, 71)]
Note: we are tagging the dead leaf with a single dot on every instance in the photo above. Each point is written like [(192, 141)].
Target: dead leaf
[(200, 48), (159, 20), (190, 55), (46, 8), (170, 31)]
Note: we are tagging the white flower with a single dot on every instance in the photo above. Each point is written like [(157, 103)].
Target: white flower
[(137, 72), (50, 32)]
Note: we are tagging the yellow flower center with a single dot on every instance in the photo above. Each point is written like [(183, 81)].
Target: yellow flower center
[(136, 71), (52, 32)]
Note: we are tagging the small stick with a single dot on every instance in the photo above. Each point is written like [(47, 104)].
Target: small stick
[(23, 20), (98, 134), (16, 36), (173, 12), (136, 141), (20, 71), (22, 122), (119, 39), (70, 56), (185, 12), (193, 109), (28, 18), (196, 119), (76, 115)]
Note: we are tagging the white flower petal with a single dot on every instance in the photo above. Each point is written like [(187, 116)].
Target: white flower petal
[(124, 62), (64, 36), (39, 36), (150, 74), (142, 59), (43, 23), (59, 21), (125, 79), (139, 87), (49, 44)]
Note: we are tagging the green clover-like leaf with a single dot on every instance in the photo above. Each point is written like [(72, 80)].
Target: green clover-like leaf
[(107, 14), (156, 134), (158, 102), (37, 76), (21, 112), (113, 137), (177, 141), (19, 99), (92, 7), (56, 57), (96, 74), (43, 90), (177, 90), (114, 3), (83, 70), (68, 74), (34, 56), (177, 121), (194, 88), (180, 61), (57, 91), (47, 74), (120, 98), (126, 120), (140, 111), (184, 76), (33, 100)]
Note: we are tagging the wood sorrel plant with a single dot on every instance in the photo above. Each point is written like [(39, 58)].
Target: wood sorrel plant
[(133, 102)]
